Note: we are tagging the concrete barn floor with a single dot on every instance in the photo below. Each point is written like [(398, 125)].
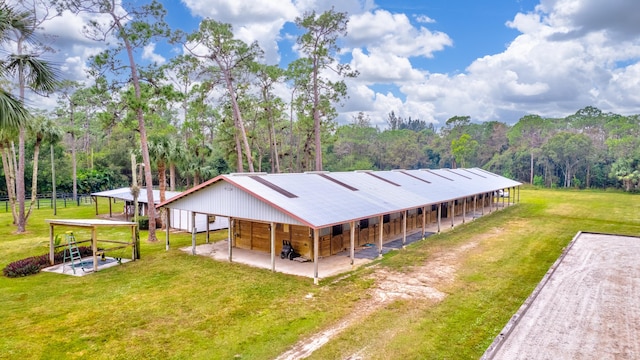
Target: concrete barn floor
[(327, 266), (586, 307)]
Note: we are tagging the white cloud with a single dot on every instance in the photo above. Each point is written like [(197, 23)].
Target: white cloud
[(395, 34), (251, 21), (378, 67), (148, 53)]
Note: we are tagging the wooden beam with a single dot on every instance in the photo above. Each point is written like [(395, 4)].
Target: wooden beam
[(464, 209), (272, 230), (352, 244), (230, 232), (404, 228), (439, 216), (94, 247), (315, 256), (51, 246), (193, 233), (424, 221), (167, 227), (207, 236), (380, 232), (452, 213)]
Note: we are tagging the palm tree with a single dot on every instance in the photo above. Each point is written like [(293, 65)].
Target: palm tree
[(12, 113), (31, 72)]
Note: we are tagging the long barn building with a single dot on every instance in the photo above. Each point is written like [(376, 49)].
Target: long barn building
[(324, 213)]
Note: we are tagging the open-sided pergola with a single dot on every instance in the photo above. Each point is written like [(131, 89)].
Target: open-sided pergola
[(93, 225)]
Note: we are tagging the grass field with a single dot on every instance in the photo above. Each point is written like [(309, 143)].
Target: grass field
[(173, 305)]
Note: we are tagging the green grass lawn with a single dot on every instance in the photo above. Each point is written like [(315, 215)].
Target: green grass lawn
[(174, 305)]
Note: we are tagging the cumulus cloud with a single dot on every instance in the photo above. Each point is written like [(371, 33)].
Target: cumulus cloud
[(394, 33), (148, 53), (251, 21)]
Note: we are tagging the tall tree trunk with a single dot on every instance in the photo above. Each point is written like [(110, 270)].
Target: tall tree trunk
[(531, 169), (316, 118), (8, 164), (172, 176), (151, 209), (74, 167), (238, 117), (34, 179), (22, 133)]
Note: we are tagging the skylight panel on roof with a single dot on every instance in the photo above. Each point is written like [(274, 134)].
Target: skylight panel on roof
[(325, 176), (381, 178), (467, 170), (436, 174), (453, 172), (415, 177), (273, 186)]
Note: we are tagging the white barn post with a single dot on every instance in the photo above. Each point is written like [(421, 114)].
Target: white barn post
[(272, 228), (352, 230), (404, 229), (315, 256), (380, 232)]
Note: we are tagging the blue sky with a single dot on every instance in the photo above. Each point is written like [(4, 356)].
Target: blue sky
[(432, 60)]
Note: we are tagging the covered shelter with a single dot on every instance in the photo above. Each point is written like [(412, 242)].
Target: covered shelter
[(93, 225), (179, 219), (324, 213)]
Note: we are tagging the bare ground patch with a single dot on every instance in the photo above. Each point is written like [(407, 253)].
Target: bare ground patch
[(421, 282)]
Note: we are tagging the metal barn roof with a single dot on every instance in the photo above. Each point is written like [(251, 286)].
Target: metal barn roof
[(125, 194), (321, 199)]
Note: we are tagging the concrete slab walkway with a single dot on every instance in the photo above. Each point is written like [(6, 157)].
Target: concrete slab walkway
[(327, 266)]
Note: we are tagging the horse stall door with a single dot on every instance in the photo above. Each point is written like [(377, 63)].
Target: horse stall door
[(336, 239), (261, 237), (243, 234)]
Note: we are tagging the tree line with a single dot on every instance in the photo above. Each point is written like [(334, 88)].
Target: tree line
[(219, 108)]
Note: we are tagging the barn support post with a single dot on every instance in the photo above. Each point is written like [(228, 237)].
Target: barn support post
[(404, 229), (503, 197), (439, 216), (193, 233), (272, 230), (230, 232), (380, 232), (491, 202), (193, 240), (167, 227), (315, 256), (483, 200), (464, 209), (475, 203), (453, 212), (52, 250), (94, 247), (207, 236), (110, 213), (352, 244), (518, 194), (424, 221)]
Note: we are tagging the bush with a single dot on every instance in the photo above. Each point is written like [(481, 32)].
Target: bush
[(33, 265), (143, 223), (22, 267)]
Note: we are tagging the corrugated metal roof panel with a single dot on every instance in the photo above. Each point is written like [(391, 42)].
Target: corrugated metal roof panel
[(125, 194), (311, 199)]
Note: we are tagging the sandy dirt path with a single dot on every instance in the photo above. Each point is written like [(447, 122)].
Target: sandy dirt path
[(420, 283), (588, 307)]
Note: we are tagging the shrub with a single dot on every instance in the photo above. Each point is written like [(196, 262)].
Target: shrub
[(143, 223), (22, 267), (33, 265)]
